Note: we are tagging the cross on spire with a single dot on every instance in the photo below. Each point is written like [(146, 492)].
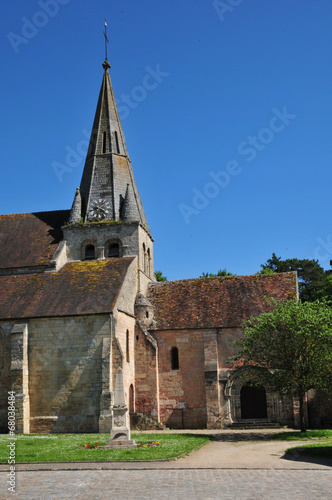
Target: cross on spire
[(106, 39)]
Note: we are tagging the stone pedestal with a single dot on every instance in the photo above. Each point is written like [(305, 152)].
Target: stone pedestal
[(120, 432)]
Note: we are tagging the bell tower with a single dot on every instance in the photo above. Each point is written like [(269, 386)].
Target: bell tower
[(107, 219)]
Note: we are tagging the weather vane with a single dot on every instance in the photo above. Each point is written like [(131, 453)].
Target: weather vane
[(106, 39)]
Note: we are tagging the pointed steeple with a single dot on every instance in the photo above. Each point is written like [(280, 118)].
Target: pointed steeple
[(129, 210), (76, 209), (108, 171)]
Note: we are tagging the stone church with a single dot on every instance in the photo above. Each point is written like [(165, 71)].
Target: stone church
[(78, 299)]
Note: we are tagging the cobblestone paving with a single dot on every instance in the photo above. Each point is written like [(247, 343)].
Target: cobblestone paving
[(171, 484)]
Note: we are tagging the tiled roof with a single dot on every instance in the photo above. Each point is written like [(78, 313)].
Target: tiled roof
[(30, 240), (217, 302), (89, 287)]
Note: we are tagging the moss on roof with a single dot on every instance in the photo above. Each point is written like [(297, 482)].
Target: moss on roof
[(89, 287), (217, 302)]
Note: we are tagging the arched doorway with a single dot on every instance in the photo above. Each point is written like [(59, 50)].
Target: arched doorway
[(253, 402)]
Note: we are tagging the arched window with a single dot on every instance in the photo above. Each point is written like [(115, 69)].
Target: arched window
[(175, 358), (131, 399), (114, 250), (144, 258), (148, 262), (90, 252), (127, 346)]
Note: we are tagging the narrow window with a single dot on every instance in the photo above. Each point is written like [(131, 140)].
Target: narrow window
[(127, 346), (144, 258), (175, 358), (149, 263), (117, 142), (114, 250), (104, 142), (90, 252), (147, 314), (131, 398)]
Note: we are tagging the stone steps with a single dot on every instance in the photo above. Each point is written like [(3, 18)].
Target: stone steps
[(253, 425)]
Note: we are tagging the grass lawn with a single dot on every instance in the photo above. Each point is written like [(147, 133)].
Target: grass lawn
[(65, 447), (322, 448), (304, 436)]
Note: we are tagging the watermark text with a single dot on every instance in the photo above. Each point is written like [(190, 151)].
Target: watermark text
[(11, 481), (249, 149), (30, 27)]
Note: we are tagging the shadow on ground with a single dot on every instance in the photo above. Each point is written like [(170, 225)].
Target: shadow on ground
[(294, 455), (242, 436)]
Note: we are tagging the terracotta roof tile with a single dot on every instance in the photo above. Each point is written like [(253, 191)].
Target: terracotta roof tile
[(217, 302), (89, 287), (30, 240)]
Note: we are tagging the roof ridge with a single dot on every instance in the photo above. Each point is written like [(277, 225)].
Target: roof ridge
[(222, 278), (35, 213)]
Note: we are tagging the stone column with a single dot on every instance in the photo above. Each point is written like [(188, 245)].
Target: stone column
[(211, 372), (20, 376), (120, 432)]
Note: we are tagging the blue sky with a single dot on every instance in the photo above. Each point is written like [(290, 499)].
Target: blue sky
[(231, 149)]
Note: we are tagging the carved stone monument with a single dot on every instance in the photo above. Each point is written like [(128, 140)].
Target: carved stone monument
[(120, 431)]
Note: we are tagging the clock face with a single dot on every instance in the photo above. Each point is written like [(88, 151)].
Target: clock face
[(99, 210)]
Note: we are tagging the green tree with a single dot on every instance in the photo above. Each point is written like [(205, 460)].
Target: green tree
[(221, 272), (292, 346), (159, 276), (327, 292), (312, 277), (267, 270)]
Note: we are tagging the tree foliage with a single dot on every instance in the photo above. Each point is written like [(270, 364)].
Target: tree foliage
[(221, 272), (159, 276), (313, 280), (292, 346)]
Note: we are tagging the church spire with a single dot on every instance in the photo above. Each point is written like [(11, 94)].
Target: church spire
[(108, 171)]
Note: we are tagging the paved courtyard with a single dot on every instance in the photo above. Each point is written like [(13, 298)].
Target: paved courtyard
[(237, 465), (174, 484)]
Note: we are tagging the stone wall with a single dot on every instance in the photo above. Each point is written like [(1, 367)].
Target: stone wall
[(5, 373), (146, 375), (65, 379), (205, 390), (185, 385), (124, 323), (125, 233), (14, 371), (19, 369), (146, 266), (126, 298), (324, 406), (130, 236), (226, 347)]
